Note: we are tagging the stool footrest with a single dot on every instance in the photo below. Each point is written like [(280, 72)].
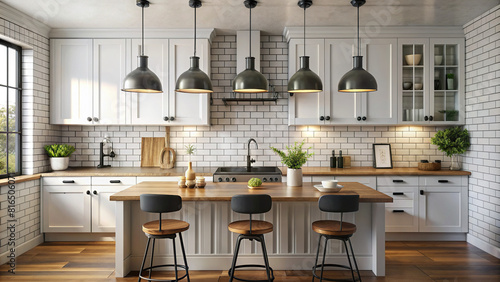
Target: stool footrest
[(248, 266), (330, 265), (164, 265)]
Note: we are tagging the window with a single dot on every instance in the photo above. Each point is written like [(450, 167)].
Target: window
[(10, 109)]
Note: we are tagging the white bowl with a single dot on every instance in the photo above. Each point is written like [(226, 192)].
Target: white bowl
[(329, 183), (407, 85), (413, 59), (438, 60), (418, 86)]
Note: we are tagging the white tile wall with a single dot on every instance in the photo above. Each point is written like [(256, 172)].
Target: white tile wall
[(224, 143), (482, 39)]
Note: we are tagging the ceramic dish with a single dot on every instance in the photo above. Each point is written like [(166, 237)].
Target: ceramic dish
[(328, 190)]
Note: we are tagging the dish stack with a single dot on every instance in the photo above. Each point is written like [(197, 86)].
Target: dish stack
[(329, 186)]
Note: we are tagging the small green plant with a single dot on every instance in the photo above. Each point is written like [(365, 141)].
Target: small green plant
[(190, 149), (451, 115), (295, 158), (450, 76), (254, 182), (452, 141), (59, 150)]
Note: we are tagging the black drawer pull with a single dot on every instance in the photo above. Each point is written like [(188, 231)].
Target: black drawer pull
[(398, 210), (443, 181), (398, 193), (115, 181), (421, 192), (68, 181), (397, 181)]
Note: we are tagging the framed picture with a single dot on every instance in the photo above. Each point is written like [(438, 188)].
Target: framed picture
[(382, 156)]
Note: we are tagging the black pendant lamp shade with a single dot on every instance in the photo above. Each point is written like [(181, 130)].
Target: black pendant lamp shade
[(305, 80), (357, 79), (194, 80), (142, 79), (250, 80)]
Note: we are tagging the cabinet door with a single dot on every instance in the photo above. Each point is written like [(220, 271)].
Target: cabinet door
[(109, 71), (71, 81), (341, 107), (443, 209), (151, 108), (188, 108), (307, 108), (66, 209), (447, 80), (103, 210), (380, 107)]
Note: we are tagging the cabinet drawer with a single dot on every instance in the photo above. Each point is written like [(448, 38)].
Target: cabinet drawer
[(66, 181), (115, 181), (440, 181), (397, 181), (401, 220)]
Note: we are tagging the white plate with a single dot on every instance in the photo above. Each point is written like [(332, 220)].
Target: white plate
[(330, 190)]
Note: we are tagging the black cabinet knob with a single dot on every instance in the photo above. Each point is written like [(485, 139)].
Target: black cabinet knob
[(165, 118), (321, 118), (88, 192), (96, 119), (327, 117), (95, 192), (89, 119), (398, 210), (115, 181), (68, 181), (431, 118), (398, 193), (421, 192), (397, 181), (220, 179), (426, 118), (358, 118), (364, 118), (442, 181), (172, 118)]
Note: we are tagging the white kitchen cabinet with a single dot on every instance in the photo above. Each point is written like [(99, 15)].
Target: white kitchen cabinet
[(103, 210), (86, 80), (71, 81), (402, 214), (331, 59)]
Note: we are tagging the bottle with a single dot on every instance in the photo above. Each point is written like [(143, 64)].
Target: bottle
[(333, 160), (340, 160)]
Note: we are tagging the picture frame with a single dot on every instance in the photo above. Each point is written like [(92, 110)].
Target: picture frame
[(382, 156)]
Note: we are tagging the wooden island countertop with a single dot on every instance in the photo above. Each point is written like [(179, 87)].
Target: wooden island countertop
[(224, 192)]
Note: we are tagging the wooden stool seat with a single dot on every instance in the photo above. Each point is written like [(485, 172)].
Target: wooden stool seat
[(332, 227), (168, 227), (243, 227)]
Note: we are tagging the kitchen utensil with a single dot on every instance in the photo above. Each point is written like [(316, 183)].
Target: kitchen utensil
[(150, 151), (407, 85), (413, 59), (328, 190), (167, 155)]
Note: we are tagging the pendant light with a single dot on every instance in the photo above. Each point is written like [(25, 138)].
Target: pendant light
[(142, 79), (358, 79), (305, 80), (250, 80), (194, 80)]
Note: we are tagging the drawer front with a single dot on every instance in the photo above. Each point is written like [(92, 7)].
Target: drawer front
[(397, 181), (441, 181), (114, 181), (401, 219), (66, 181), (402, 196)]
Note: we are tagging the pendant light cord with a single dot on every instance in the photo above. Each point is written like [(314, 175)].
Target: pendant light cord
[(250, 42), (195, 30), (142, 48), (359, 40), (305, 30)]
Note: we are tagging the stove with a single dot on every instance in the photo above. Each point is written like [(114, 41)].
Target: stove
[(240, 174)]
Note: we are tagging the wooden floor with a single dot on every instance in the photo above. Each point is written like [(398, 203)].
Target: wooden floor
[(406, 261)]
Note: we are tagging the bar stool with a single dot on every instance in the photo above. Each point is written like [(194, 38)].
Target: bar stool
[(163, 229), (251, 229), (338, 230)]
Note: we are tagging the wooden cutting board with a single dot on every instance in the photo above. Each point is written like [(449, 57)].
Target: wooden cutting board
[(167, 155), (151, 148)]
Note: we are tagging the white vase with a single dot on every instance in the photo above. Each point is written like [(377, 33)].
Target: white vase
[(59, 163), (450, 84), (294, 177)]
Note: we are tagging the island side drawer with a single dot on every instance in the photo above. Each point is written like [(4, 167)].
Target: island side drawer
[(66, 181), (397, 181), (441, 181)]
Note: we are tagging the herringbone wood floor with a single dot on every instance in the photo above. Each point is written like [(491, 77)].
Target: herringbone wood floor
[(406, 261)]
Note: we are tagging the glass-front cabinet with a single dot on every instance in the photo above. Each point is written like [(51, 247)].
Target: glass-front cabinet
[(431, 76)]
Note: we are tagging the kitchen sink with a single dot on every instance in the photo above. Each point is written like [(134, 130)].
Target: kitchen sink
[(240, 173)]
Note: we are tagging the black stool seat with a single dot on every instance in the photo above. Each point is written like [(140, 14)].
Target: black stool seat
[(243, 227), (332, 227), (169, 226)]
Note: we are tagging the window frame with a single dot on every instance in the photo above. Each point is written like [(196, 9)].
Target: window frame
[(19, 153)]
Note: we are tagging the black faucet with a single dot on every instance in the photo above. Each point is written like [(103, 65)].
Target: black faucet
[(249, 160), (102, 155)]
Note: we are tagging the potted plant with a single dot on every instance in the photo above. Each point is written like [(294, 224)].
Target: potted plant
[(59, 155), (190, 174), (453, 142), (294, 159), (449, 81)]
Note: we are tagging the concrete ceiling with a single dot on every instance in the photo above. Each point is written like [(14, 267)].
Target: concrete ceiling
[(270, 16)]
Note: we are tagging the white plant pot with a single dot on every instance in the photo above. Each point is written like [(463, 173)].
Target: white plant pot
[(59, 163), (294, 177)]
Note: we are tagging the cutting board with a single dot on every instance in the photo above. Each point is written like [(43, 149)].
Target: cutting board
[(167, 155), (151, 148)]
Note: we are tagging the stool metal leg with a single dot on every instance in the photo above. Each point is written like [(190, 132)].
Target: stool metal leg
[(152, 256), (349, 260), (235, 257), (324, 256), (144, 259), (184, 255), (175, 261), (354, 258), (266, 260), (317, 255)]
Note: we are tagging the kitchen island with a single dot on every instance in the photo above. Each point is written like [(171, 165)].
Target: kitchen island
[(209, 245)]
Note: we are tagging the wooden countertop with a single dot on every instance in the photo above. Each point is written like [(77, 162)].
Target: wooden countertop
[(208, 171), (224, 192)]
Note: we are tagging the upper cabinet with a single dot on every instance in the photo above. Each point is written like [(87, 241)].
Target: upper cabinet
[(87, 77)]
